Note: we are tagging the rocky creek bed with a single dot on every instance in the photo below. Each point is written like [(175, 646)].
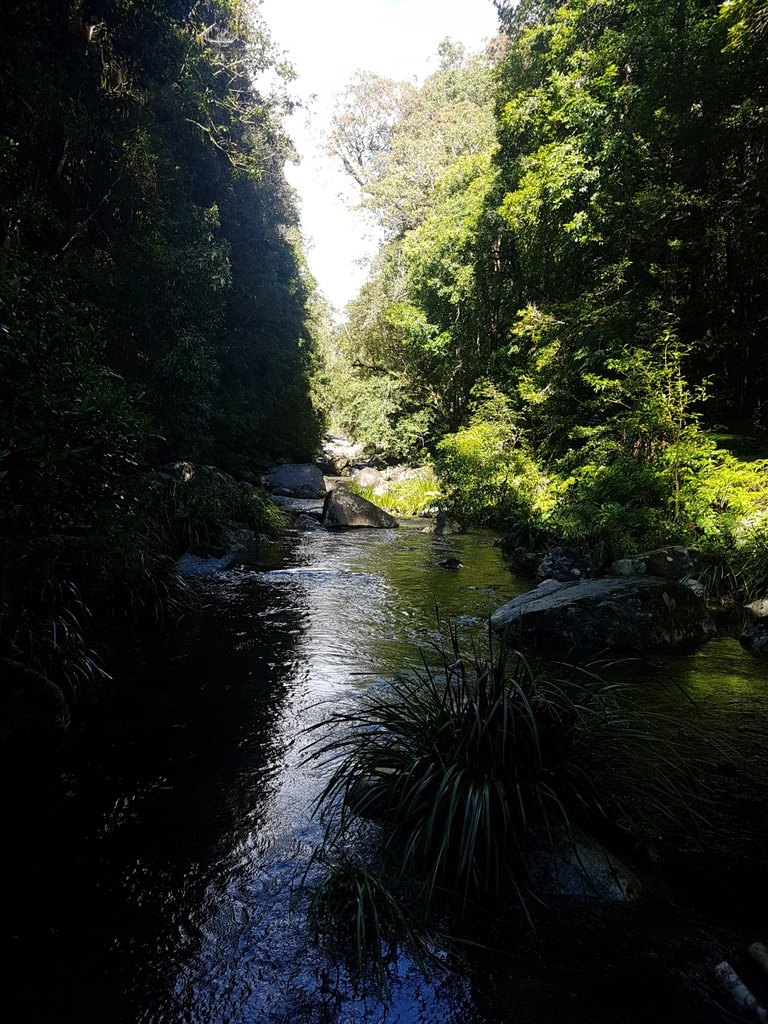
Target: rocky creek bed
[(155, 880)]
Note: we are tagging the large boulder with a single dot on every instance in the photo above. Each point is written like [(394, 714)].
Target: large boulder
[(301, 480), (565, 565), (671, 563), (344, 509), (640, 613)]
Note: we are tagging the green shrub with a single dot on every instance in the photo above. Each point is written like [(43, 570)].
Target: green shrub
[(362, 917), (486, 470), (200, 509)]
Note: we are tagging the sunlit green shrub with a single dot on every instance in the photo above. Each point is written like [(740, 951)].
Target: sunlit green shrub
[(486, 470)]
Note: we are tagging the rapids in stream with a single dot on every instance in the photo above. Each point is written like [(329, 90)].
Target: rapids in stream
[(157, 881)]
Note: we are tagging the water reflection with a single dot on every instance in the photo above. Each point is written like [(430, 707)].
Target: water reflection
[(160, 890)]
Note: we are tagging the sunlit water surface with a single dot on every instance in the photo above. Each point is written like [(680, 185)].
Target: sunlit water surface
[(158, 883)]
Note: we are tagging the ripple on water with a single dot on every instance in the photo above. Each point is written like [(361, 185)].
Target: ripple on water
[(193, 809)]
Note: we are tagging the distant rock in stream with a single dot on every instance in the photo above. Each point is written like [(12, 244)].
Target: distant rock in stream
[(299, 480), (342, 509), (639, 613)]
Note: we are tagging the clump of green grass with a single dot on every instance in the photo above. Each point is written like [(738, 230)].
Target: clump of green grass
[(404, 497), (735, 563), (473, 765), (48, 632), (364, 917)]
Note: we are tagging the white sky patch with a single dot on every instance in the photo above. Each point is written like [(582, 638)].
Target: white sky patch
[(327, 41)]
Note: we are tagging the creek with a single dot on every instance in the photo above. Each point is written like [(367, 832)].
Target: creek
[(156, 881)]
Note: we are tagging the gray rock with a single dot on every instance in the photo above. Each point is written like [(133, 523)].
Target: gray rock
[(671, 563), (344, 509), (370, 477), (759, 608), (395, 474), (294, 506), (565, 565), (302, 480), (634, 614), (307, 523), (445, 524), (204, 565), (334, 465), (755, 638), (580, 868), (244, 547)]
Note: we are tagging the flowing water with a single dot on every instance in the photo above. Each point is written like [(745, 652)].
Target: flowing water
[(157, 882)]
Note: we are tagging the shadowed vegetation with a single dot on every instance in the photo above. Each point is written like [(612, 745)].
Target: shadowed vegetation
[(474, 767)]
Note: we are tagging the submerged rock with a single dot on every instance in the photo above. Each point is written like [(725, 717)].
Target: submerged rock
[(451, 563), (344, 509), (633, 614), (306, 523)]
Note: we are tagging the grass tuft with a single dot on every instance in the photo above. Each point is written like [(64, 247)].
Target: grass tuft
[(474, 765)]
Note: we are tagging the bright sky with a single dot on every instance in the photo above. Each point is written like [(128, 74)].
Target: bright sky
[(326, 41)]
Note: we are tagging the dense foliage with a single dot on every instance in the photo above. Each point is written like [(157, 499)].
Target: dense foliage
[(154, 303), (578, 304)]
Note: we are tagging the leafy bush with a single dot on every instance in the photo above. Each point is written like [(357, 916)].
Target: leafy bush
[(199, 509), (486, 470)]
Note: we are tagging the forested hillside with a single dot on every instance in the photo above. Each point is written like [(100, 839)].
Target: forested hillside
[(154, 304), (569, 312)]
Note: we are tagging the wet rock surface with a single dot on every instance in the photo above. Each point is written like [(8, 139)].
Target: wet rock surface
[(565, 565), (580, 868), (634, 614), (342, 509), (301, 480), (670, 563)]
